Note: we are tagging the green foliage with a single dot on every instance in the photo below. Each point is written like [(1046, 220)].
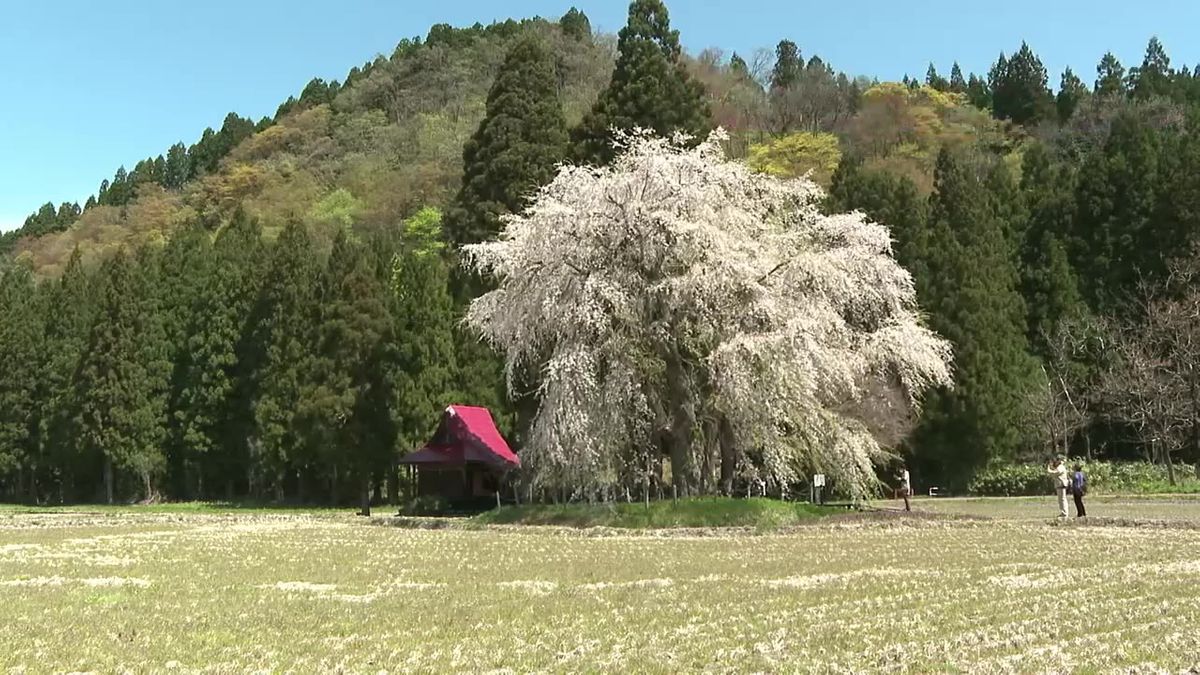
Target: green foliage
[(186, 260), (21, 334), (650, 88), (69, 307), (283, 347), (392, 136), (1117, 239), (759, 513), (788, 65), (935, 81), (972, 295), (232, 332), (1012, 480), (1153, 77), (257, 393), (426, 360), (902, 129), (1049, 282), (45, 221), (575, 24), (205, 409), (1018, 86), (1110, 76), (1071, 91), (893, 201), (796, 154), (121, 382), (346, 401), (979, 93), (339, 208), (957, 84), (516, 148), (423, 232)]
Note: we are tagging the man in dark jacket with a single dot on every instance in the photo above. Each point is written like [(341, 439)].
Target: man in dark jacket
[(1078, 490)]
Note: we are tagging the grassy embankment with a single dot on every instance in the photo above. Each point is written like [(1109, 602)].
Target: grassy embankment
[(693, 512)]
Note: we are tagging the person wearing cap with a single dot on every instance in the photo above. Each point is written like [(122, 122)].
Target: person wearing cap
[(1062, 482)]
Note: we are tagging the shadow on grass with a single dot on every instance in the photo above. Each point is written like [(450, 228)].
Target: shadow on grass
[(174, 507)]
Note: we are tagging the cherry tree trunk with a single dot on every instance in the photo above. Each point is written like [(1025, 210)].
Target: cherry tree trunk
[(728, 457), (683, 422)]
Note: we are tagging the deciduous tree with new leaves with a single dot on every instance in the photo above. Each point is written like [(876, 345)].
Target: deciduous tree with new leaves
[(681, 306)]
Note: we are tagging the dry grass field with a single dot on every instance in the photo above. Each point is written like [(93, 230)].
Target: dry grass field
[(128, 591)]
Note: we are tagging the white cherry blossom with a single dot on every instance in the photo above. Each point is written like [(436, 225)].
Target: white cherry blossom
[(677, 290)]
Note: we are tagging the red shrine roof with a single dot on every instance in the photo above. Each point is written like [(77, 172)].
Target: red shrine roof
[(465, 434)]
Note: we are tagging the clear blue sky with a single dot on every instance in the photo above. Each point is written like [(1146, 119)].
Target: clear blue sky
[(93, 85)]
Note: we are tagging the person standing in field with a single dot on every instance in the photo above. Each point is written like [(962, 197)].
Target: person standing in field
[(905, 486), (1062, 481), (1078, 490)]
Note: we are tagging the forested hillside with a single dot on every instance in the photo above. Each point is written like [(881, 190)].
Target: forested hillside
[(274, 310), (369, 151)]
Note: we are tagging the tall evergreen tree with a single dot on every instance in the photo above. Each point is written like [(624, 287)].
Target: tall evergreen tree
[(974, 302), (177, 169), (650, 88), (936, 81), (283, 346), (1117, 239), (893, 201), (1019, 91), (1153, 77), (185, 263), (958, 85), (21, 332), (515, 150), (1048, 280), (787, 77), (978, 92), (1110, 77), (788, 66), (427, 375), (1071, 91), (155, 352), (239, 268), (69, 308), (207, 375), (739, 67), (120, 383), (1177, 215), (575, 24), (346, 402), (997, 76)]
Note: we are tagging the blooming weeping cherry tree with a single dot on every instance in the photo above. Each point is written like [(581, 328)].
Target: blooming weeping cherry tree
[(680, 306)]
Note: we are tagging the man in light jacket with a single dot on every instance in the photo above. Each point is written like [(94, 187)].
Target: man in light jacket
[(1062, 482)]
